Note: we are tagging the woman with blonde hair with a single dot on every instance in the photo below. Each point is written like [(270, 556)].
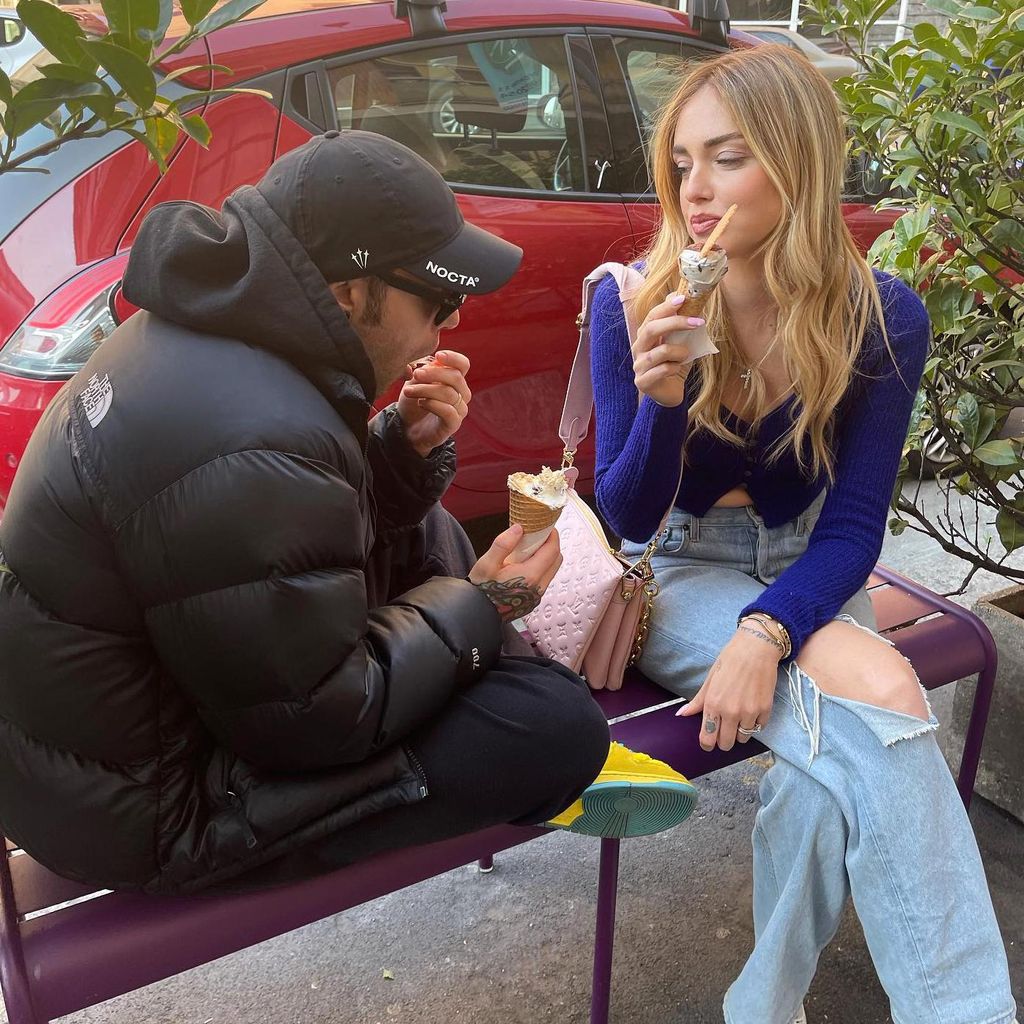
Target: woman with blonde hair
[(793, 434)]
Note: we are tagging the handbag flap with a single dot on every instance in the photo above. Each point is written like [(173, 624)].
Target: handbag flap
[(565, 622)]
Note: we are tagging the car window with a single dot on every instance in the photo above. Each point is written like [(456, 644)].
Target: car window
[(651, 68), (13, 31), (777, 37), (499, 113)]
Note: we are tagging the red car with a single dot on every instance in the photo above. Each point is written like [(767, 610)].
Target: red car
[(535, 112)]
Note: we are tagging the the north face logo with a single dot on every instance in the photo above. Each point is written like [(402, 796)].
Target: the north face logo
[(452, 276), (96, 398)]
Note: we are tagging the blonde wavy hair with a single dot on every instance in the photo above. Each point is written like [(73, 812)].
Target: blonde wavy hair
[(825, 292)]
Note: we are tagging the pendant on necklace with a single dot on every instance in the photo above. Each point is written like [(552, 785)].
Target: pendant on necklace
[(745, 377)]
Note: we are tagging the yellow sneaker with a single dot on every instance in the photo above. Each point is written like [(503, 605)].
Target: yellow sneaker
[(634, 795)]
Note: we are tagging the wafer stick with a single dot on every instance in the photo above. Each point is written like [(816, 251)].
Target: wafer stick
[(718, 229)]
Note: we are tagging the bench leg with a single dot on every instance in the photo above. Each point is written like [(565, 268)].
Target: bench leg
[(604, 938), (486, 864), (975, 736), (13, 977)]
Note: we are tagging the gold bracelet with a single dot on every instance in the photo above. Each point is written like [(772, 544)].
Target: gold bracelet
[(775, 628), (764, 636)]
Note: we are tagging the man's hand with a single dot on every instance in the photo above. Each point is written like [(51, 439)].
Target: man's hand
[(515, 589), (434, 400)]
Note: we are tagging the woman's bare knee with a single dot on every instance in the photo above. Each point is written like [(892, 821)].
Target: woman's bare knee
[(845, 661)]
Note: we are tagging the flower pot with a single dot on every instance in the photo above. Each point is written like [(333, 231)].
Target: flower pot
[(1001, 772)]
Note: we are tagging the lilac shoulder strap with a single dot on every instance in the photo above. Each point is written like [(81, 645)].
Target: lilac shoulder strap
[(579, 397)]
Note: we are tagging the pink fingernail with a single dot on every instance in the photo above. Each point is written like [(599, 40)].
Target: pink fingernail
[(695, 321), (676, 300)]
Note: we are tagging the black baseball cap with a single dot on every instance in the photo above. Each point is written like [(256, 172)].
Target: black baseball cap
[(362, 204)]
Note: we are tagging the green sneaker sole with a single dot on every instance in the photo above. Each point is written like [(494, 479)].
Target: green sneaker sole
[(620, 810)]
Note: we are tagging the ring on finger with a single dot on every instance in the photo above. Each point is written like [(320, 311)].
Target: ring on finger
[(752, 731)]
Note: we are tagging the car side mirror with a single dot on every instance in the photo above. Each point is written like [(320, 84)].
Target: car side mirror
[(549, 112)]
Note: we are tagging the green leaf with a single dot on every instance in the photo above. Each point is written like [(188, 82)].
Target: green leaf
[(980, 13), (69, 73), (195, 10), (954, 120), (133, 23), (967, 417), (55, 29), (132, 73), (948, 7), (897, 526), (996, 453), (181, 72), (1009, 234), (6, 92), (198, 129), (233, 10), (1011, 533), (36, 101)]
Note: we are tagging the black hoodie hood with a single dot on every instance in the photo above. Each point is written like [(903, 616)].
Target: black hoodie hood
[(241, 273)]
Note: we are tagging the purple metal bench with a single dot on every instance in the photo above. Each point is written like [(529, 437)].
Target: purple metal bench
[(54, 963)]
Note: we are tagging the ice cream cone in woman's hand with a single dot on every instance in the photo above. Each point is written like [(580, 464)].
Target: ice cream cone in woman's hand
[(535, 501), (701, 268)]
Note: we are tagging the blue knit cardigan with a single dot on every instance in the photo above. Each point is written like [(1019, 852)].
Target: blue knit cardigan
[(639, 443)]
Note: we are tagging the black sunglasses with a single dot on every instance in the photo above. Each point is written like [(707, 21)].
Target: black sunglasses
[(446, 302)]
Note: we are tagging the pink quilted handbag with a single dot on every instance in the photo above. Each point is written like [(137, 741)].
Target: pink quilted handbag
[(593, 617)]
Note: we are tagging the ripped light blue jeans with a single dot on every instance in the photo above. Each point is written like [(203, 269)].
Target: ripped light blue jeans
[(859, 802)]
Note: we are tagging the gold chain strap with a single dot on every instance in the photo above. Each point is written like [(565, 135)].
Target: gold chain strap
[(649, 586)]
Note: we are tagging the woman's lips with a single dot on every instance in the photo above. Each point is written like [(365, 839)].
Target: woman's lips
[(703, 225)]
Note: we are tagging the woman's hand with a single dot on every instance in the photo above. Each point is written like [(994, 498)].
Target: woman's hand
[(738, 691), (660, 366), (434, 400)]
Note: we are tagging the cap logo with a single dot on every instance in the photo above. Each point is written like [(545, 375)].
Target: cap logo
[(360, 258), (452, 275)]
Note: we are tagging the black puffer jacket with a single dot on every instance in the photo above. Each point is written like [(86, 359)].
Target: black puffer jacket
[(191, 682)]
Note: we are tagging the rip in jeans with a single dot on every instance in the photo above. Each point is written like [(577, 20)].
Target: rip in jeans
[(889, 726)]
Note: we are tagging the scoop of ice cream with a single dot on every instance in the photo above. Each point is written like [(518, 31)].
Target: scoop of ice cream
[(702, 273), (549, 486)]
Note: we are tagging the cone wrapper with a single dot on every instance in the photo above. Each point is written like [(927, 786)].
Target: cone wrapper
[(537, 510), (698, 278)]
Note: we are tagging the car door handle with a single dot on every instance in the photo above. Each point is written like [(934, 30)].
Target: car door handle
[(602, 166)]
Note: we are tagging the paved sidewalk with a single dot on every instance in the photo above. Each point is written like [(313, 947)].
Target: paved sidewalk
[(514, 945)]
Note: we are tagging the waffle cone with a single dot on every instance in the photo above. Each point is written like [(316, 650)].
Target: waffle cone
[(693, 305), (531, 515)]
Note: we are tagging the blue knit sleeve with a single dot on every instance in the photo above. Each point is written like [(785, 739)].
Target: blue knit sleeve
[(846, 541), (639, 443)]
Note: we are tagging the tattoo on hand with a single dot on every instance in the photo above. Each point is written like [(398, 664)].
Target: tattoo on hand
[(710, 725), (513, 599)]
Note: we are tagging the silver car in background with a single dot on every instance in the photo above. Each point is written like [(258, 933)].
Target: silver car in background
[(17, 44)]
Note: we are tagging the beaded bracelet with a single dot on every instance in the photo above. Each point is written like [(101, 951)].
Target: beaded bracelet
[(778, 644)]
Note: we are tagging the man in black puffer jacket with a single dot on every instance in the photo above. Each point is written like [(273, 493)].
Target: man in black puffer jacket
[(234, 645)]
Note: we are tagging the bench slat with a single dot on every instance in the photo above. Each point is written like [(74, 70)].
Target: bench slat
[(36, 887), (941, 650), (95, 951)]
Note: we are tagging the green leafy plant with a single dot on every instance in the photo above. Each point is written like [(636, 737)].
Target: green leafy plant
[(95, 84), (937, 119)]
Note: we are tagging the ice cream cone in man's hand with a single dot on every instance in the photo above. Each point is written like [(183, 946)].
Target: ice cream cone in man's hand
[(535, 501)]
